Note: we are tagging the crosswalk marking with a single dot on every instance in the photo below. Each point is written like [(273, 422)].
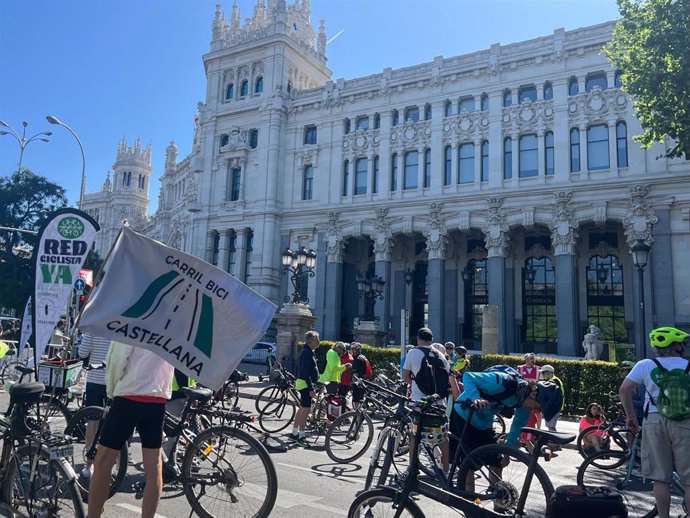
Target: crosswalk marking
[(137, 510)]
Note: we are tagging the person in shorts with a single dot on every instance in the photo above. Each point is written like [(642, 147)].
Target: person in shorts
[(359, 369), (307, 375), (140, 383)]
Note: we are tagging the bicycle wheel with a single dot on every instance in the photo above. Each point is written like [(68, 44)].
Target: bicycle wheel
[(378, 503), (54, 411), (277, 415), (317, 422), (499, 425), (349, 437), (266, 396), (594, 439), (226, 472), (230, 396), (10, 373), (52, 492), (84, 454), (505, 486)]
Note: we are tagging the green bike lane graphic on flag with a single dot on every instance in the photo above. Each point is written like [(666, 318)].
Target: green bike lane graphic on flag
[(164, 286)]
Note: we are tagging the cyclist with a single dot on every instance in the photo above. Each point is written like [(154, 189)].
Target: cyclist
[(307, 375), (548, 373), (359, 370), (451, 356), (346, 376), (529, 371), (665, 438), (334, 368)]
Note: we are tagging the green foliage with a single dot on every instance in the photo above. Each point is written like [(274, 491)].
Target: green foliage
[(650, 45), (26, 200)]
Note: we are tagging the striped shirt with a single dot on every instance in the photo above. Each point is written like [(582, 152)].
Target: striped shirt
[(96, 349)]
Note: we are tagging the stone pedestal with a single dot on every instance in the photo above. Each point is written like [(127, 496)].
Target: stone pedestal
[(489, 329), (368, 332), (293, 321)]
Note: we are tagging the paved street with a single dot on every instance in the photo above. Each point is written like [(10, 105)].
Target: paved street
[(309, 483)]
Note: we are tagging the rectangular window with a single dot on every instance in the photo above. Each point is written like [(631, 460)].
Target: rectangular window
[(363, 122), (529, 158), (449, 109), (375, 176), (485, 102), (412, 113), (346, 177), (235, 186), (447, 166), (485, 162), (622, 144), (427, 168), (507, 159), (598, 147), (549, 166), (466, 104), (310, 134), (574, 150), (411, 165), (377, 121), (216, 249), (427, 112), (361, 176), (232, 254), (595, 80), (528, 93), (308, 183), (248, 261), (394, 118), (466, 163), (394, 172)]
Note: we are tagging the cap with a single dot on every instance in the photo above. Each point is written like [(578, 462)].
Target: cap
[(547, 368), (626, 364), (529, 355)]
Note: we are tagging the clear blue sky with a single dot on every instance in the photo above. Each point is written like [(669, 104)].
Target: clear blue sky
[(110, 68)]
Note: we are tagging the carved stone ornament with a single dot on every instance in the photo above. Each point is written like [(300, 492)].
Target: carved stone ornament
[(528, 116), (335, 244), (436, 232), (537, 251), (308, 155), (362, 143), (478, 253), (598, 106), (411, 135), (563, 225), (383, 235), (496, 229), (640, 216)]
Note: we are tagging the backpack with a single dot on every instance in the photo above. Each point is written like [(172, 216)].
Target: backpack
[(592, 501), (432, 377), (674, 392), (368, 371)]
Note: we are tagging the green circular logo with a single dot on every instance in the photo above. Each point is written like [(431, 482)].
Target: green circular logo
[(70, 227)]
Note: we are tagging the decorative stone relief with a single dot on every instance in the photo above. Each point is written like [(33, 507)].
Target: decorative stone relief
[(528, 217), (598, 106), (640, 216), (436, 232), (477, 253), (528, 117), (362, 143), (464, 220), (335, 243), (537, 251), (383, 235), (496, 229), (411, 135), (563, 225), (600, 213), (308, 155), (466, 126)]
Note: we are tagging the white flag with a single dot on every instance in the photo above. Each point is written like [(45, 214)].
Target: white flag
[(197, 317), (26, 328)]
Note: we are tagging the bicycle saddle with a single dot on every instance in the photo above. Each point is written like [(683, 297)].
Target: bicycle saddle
[(25, 370), (197, 394), (554, 437), (26, 392)]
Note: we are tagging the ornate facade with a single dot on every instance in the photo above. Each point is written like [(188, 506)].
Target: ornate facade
[(507, 176)]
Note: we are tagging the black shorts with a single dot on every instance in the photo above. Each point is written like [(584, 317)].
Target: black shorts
[(473, 438), (343, 390), (95, 394), (332, 388), (357, 394), (125, 415), (305, 397)]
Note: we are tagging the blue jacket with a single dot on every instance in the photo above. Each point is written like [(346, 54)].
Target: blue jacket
[(478, 385), (307, 370)]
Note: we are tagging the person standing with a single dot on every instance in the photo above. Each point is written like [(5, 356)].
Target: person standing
[(530, 371), (346, 376), (140, 383), (307, 375), (666, 428), (361, 369), (548, 373), (334, 368)]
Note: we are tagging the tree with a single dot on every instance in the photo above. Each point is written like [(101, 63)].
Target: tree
[(26, 201), (650, 45)]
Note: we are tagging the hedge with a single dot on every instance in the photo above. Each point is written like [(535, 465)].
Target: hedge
[(585, 381)]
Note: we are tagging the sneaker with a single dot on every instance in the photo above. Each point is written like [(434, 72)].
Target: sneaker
[(293, 437), (302, 441), (636, 472), (85, 473)]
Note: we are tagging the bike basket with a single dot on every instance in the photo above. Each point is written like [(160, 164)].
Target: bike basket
[(282, 382), (435, 429), (57, 374)]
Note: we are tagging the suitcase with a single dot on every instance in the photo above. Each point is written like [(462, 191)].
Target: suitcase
[(592, 501)]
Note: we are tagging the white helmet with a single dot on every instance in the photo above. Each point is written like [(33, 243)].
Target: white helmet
[(548, 368)]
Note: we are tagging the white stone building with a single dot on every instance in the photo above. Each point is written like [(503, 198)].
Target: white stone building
[(506, 176)]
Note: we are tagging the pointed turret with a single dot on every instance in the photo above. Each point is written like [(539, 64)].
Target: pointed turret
[(171, 157), (235, 17), (321, 40)]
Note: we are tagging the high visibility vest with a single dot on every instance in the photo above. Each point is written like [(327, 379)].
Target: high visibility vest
[(175, 386)]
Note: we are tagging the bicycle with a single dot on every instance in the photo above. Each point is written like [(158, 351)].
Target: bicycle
[(497, 487), (623, 478), (36, 480)]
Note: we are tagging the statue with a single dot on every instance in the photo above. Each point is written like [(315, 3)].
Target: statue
[(592, 344)]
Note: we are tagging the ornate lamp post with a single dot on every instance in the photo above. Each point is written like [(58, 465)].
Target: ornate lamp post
[(640, 256), (54, 120), (298, 264), (371, 289), (23, 141)]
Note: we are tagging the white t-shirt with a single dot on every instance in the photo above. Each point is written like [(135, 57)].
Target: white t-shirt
[(641, 374), (413, 362)]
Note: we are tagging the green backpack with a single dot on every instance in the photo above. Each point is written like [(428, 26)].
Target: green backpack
[(674, 392)]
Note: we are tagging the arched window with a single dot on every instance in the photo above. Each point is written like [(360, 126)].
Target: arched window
[(377, 121), (529, 159), (447, 166), (548, 91), (507, 98), (346, 126), (395, 118), (427, 168), (573, 86), (244, 88), (224, 139), (229, 91), (528, 93), (485, 161), (253, 138), (362, 122), (259, 85), (394, 172), (507, 158), (618, 79), (361, 176), (596, 80), (448, 109), (289, 86), (308, 183), (622, 144), (466, 104), (412, 113), (375, 176), (549, 166), (485, 103), (411, 170), (539, 301), (346, 177), (475, 280), (574, 150), (427, 112), (605, 300)]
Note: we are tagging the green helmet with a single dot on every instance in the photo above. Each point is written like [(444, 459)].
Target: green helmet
[(665, 336)]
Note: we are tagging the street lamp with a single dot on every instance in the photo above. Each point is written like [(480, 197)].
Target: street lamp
[(371, 289), (54, 120), (298, 264), (23, 141), (640, 256)]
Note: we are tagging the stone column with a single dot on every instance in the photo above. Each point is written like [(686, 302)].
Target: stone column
[(613, 149), (420, 168), (436, 241), (450, 296), (210, 242), (496, 237), (335, 245), (541, 153), (583, 149), (477, 160), (399, 172), (383, 243), (662, 270), (515, 141), (224, 250), (370, 175), (455, 146), (241, 253)]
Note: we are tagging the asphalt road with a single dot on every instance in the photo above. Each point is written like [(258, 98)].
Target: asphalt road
[(310, 484)]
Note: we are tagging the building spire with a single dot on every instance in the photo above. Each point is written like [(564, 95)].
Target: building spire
[(321, 39), (236, 16)]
